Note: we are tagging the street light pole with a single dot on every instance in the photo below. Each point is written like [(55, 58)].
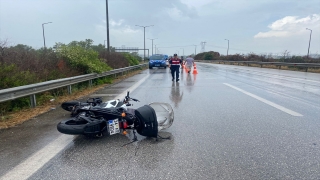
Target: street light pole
[(152, 45), (182, 51), (155, 48), (44, 39), (195, 50), (107, 17), (144, 40), (309, 41), (228, 46)]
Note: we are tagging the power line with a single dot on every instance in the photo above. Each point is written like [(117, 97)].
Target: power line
[(176, 46)]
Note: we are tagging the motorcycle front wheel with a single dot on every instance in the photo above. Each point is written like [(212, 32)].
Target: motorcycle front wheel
[(72, 126), (68, 106)]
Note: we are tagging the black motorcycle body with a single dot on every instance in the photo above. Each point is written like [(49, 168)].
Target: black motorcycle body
[(75, 106), (147, 120)]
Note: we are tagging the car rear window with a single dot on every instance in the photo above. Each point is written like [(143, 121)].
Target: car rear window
[(157, 57)]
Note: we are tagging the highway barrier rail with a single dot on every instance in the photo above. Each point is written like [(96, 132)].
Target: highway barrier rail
[(279, 64), (32, 89)]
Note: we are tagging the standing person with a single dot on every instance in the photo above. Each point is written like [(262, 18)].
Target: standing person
[(175, 66), (189, 63)]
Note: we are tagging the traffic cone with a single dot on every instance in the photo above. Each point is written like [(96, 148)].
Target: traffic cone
[(195, 71)]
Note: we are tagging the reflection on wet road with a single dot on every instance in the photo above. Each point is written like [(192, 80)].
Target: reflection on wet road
[(176, 94), (231, 122)]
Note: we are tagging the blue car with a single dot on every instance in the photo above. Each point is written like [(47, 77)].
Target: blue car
[(158, 60)]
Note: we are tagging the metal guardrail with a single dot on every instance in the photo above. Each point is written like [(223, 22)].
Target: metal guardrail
[(279, 64), (32, 89)]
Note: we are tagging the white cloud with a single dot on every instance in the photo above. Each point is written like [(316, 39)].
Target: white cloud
[(114, 23), (175, 13), (197, 3), (290, 26), (120, 33)]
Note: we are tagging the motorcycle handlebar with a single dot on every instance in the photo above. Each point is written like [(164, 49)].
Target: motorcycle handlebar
[(128, 98)]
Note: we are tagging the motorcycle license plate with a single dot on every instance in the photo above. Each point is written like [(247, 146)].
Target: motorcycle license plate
[(114, 127)]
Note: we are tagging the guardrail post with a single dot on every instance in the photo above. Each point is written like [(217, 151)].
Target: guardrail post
[(69, 89), (279, 67), (33, 101), (261, 65), (90, 82), (306, 69)]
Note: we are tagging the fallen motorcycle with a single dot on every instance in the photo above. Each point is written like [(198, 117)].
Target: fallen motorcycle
[(97, 121), (74, 106)]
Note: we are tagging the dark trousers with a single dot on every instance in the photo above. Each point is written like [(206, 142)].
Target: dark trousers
[(175, 69)]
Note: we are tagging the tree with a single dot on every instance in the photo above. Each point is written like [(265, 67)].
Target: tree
[(208, 56), (99, 48)]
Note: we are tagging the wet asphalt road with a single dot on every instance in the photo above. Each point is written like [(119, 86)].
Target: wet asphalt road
[(231, 122)]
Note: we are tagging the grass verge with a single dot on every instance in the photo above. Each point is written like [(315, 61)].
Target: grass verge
[(12, 119)]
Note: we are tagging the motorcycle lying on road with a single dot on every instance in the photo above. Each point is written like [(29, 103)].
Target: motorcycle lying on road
[(101, 120), (74, 106)]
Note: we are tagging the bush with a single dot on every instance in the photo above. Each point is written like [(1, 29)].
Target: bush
[(11, 76), (133, 60), (211, 55), (208, 56), (84, 60)]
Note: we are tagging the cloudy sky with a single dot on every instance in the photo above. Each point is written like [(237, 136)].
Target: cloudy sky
[(258, 26)]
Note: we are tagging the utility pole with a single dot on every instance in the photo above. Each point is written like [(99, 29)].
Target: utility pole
[(228, 46), (104, 48), (195, 50), (107, 17)]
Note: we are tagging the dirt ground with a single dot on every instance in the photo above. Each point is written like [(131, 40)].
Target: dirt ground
[(21, 116)]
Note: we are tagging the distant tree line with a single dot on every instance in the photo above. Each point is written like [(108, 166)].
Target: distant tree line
[(284, 57)]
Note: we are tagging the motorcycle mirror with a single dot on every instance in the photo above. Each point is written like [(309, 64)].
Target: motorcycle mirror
[(136, 100)]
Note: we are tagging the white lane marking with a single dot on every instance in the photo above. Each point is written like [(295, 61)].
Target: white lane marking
[(26, 168), (132, 88), (29, 166), (286, 110)]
